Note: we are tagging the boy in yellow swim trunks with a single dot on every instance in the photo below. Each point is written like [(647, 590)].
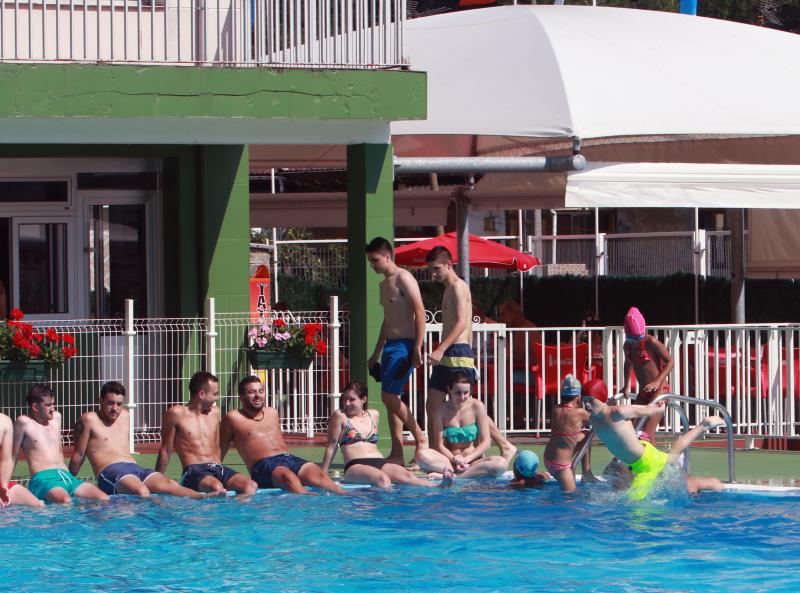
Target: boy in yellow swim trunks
[(612, 424)]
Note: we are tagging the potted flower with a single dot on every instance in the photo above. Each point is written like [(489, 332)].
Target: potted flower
[(277, 345), (26, 352)]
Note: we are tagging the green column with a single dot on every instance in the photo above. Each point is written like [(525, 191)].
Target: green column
[(224, 241), (369, 214)]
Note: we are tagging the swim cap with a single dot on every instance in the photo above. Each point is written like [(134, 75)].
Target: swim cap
[(596, 389), (634, 323), (570, 387), (526, 464)]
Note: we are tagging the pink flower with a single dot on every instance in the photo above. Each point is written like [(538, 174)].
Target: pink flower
[(261, 342), (253, 332), (265, 329), (281, 336)]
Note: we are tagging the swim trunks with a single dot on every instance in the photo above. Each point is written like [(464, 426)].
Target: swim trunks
[(458, 357), (646, 470), (194, 473), (376, 462), (44, 481), (555, 468), (108, 479), (396, 365), (262, 470)]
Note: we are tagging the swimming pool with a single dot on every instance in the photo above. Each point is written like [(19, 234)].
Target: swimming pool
[(480, 537)]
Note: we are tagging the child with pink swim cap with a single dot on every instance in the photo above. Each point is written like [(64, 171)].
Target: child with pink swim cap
[(650, 361)]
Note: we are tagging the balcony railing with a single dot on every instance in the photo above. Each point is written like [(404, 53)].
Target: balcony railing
[(295, 33)]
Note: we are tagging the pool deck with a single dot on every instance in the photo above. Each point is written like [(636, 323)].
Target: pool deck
[(776, 468)]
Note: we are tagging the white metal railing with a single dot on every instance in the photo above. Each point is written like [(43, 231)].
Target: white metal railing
[(753, 370), (335, 33)]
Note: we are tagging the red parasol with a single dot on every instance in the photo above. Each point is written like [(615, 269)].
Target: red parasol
[(482, 253)]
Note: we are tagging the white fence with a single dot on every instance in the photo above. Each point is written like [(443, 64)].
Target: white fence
[(340, 33), (753, 370)]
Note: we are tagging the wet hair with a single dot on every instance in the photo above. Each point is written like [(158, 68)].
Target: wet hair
[(240, 389), (437, 253), (459, 377), (360, 388), (379, 244), (37, 393), (114, 387), (200, 380)]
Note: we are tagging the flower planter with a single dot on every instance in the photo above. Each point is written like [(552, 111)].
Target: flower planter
[(22, 371), (264, 359)]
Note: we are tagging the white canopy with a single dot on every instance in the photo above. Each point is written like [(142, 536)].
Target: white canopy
[(684, 185), (561, 71)]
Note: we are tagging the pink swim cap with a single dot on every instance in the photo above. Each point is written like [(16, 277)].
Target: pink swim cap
[(634, 323)]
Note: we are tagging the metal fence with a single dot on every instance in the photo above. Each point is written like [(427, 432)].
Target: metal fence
[(336, 33), (753, 370)]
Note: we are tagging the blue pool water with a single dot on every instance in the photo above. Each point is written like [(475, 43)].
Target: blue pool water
[(480, 537)]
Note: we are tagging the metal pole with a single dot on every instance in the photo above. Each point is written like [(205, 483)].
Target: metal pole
[(462, 213), (696, 267), (130, 371), (736, 223), (211, 336), (597, 257), (488, 164), (275, 262)]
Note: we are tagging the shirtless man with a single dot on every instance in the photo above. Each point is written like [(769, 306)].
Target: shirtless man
[(38, 434), (454, 352), (255, 431), (104, 436), (193, 430), (400, 341), (651, 363), (11, 492), (566, 437), (612, 424)]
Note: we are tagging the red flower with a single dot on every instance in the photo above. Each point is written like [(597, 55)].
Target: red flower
[(279, 323), (68, 339), (52, 335), (69, 352), (312, 329), (26, 329), (309, 340), (19, 340), (321, 347), (34, 350), (37, 337), (16, 314)]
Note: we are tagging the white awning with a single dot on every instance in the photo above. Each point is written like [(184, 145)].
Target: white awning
[(683, 185)]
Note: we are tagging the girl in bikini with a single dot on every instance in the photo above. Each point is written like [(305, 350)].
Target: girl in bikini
[(566, 436), (461, 435), (354, 428)]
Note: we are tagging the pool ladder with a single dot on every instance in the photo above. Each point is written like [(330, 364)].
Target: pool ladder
[(672, 400)]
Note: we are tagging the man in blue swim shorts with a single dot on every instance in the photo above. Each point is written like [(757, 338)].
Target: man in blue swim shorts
[(38, 434), (454, 352), (255, 431), (193, 431), (104, 436), (399, 344)]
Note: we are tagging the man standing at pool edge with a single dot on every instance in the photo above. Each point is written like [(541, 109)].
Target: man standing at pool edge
[(255, 431), (400, 340), (193, 430)]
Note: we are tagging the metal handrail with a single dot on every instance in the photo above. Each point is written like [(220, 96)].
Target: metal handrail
[(671, 398)]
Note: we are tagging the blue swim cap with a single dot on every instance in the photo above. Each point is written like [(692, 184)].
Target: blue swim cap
[(570, 386), (526, 464)]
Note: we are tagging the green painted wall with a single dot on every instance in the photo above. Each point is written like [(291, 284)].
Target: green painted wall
[(224, 242), (369, 214), (73, 90)]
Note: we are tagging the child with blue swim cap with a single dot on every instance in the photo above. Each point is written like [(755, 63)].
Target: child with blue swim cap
[(526, 463)]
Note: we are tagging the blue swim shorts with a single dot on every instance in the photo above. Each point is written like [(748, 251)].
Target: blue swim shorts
[(458, 357), (192, 474), (262, 470), (396, 365), (44, 481), (108, 479)]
